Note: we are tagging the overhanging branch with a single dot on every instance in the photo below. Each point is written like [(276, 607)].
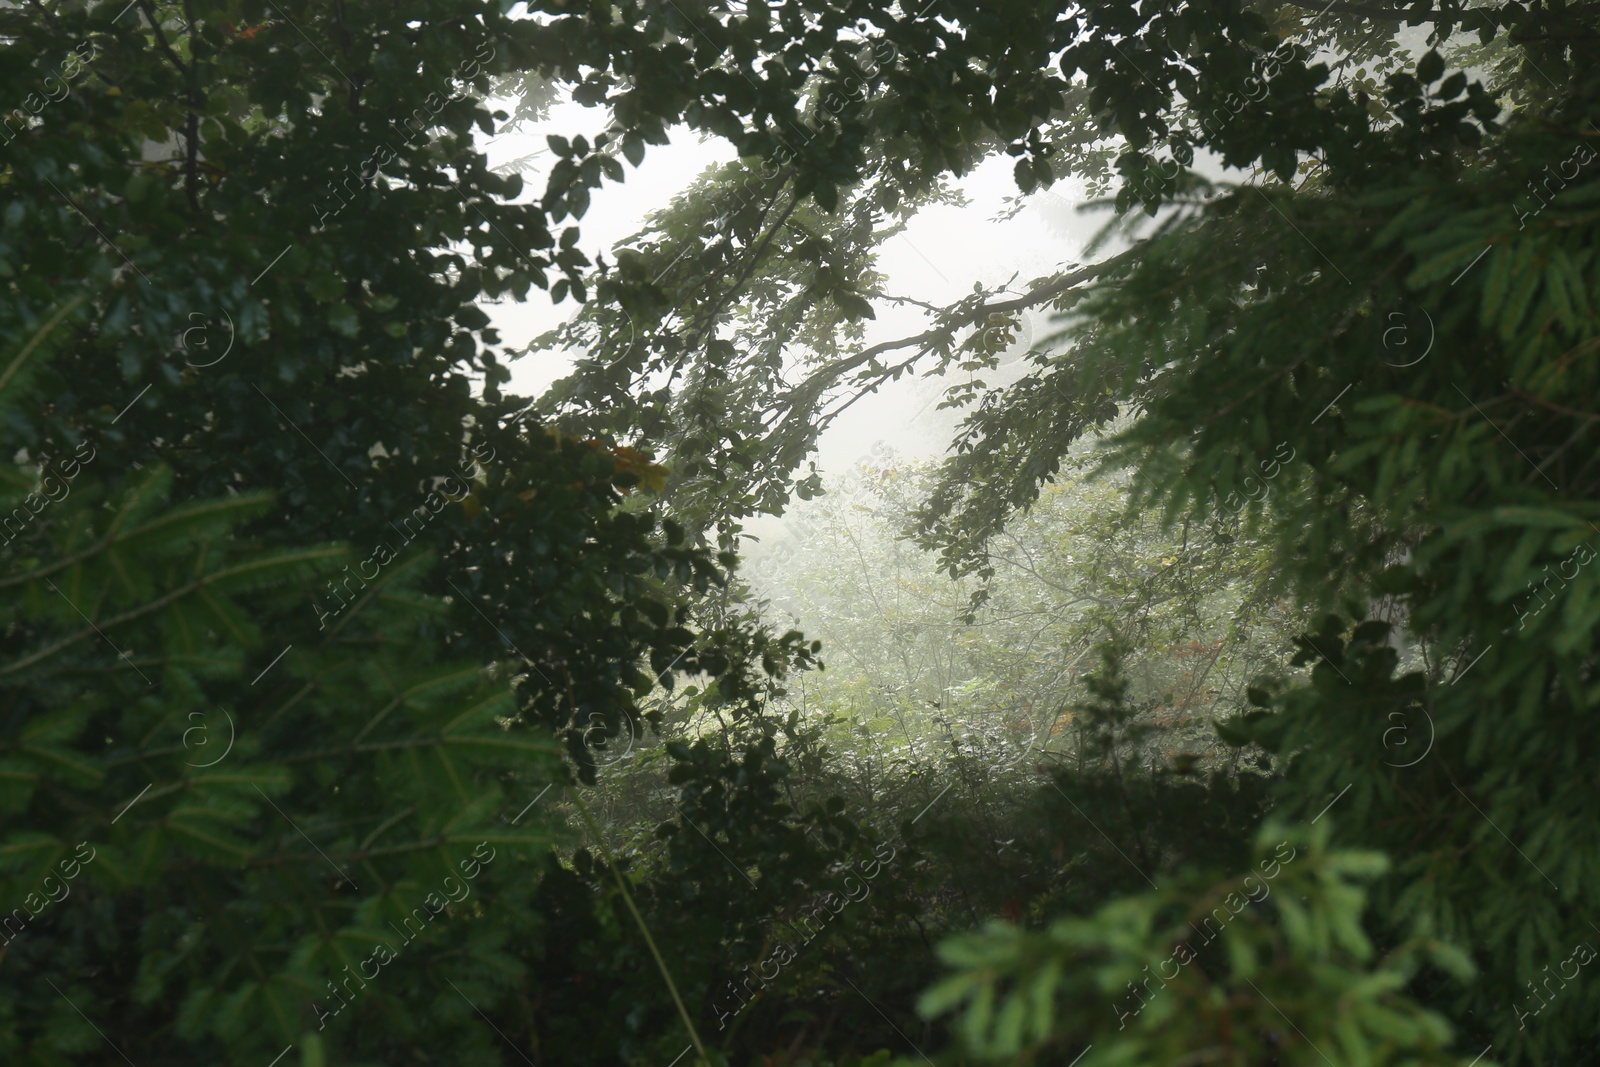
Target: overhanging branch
[(826, 376)]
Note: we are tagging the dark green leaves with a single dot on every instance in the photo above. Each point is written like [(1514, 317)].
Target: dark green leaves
[(1430, 67)]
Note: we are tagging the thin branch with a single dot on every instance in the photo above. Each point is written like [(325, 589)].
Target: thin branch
[(710, 318), (1078, 598), (1043, 294), (935, 308), (1587, 416), (191, 129), (127, 616), (1367, 11), (161, 38), (830, 373), (191, 133), (683, 1013)]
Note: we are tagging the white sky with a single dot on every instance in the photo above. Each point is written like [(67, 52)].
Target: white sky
[(943, 253)]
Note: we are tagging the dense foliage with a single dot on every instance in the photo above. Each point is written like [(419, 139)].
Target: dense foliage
[(1256, 609)]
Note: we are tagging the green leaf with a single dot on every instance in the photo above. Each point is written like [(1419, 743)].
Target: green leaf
[(633, 148), (1430, 67), (342, 318)]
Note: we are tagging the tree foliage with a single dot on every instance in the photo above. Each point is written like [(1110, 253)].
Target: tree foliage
[(1340, 330)]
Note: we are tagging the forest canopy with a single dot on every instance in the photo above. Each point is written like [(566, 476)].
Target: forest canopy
[(1216, 697)]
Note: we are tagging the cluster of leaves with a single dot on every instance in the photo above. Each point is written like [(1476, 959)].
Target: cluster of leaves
[(1057, 992), (139, 721), (1451, 481), (719, 330), (241, 272)]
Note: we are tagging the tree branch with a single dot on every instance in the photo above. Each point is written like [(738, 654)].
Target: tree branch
[(161, 38), (191, 129), (754, 260), (344, 48), (1367, 11), (191, 133), (830, 373)]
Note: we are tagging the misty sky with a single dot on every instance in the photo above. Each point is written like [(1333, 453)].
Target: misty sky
[(942, 254)]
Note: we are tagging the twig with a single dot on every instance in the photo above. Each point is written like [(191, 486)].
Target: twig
[(1381, 14), (191, 129), (694, 1035)]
